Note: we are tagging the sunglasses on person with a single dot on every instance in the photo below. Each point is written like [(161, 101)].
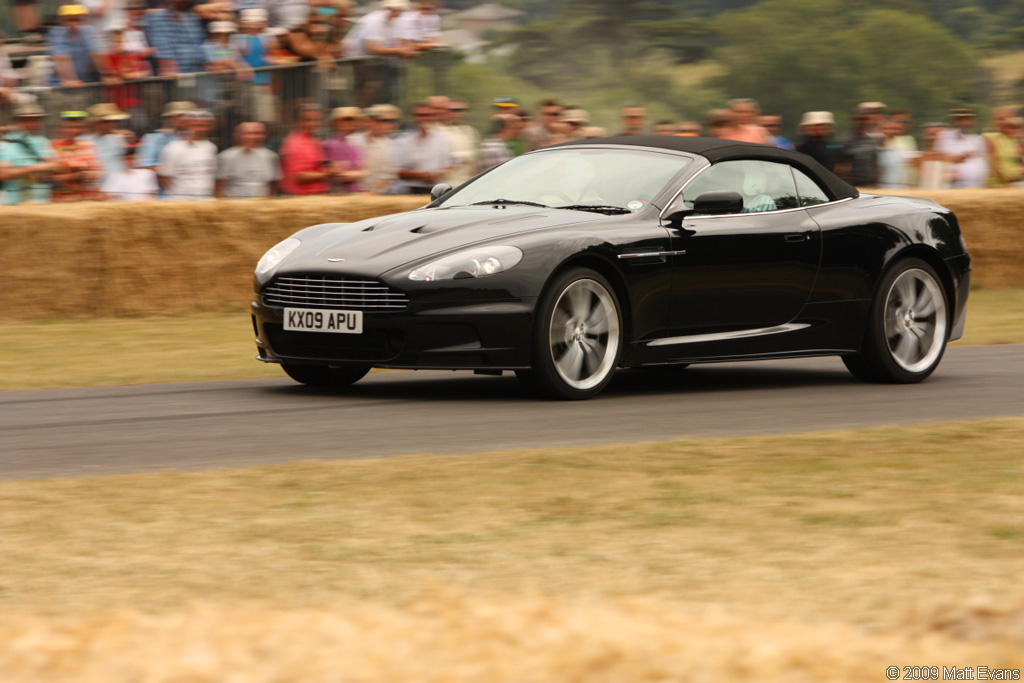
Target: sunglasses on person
[(459, 109)]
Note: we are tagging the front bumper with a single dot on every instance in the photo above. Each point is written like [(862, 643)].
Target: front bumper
[(485, 335)]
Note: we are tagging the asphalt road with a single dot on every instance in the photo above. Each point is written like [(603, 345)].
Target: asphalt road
[(109, 430)]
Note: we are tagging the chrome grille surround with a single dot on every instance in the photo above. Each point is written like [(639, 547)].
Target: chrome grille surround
[(332, 291)]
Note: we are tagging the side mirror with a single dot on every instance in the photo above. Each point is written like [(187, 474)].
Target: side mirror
[(440, 190), (718, 203)]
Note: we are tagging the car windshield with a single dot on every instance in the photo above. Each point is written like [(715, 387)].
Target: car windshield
[(607, 180)]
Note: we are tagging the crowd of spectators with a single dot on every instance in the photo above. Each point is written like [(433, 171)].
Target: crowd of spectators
[(94, 156), (226, 45)]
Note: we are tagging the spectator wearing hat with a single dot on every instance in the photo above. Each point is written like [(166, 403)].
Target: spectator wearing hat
[(495, 151), (26, 159), (576, 119), (255, 46), (858, 161), (378, 147), (222, 57), (177, 35), (188, 165), (965, 149), (248, 169), (131, 184), (78, 164), (424, 155), (421, 28), (304, 164), (77, 49), (152, 144), (817, 127), (345, 158), (109, 143), (378, 34)]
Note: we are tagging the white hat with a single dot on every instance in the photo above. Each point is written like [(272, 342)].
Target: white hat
[(253, 15), (400, 5), (222, 27), (815, 118)]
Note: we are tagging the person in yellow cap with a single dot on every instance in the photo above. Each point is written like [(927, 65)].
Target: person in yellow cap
[(77, 49)]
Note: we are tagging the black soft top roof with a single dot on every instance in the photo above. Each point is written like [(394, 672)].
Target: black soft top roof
[(715, 150)]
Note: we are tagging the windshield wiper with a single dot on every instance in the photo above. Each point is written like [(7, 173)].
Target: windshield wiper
[(599, 208), (510, 201)]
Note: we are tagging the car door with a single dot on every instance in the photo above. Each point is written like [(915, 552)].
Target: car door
[(746, 271)]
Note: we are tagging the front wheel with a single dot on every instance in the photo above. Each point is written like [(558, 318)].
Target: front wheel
[(325, 375), (907, 328), (577, 340)]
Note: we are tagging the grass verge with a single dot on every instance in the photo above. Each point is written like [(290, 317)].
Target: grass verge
[(779, 555), (101, 352)]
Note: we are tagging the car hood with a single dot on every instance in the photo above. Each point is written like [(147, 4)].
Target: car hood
[(377, 245)]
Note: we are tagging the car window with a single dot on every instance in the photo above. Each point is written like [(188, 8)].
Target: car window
[(810, 192), (624, 178), (764, 185)]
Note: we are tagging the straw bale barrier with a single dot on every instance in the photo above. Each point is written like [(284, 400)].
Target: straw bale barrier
[(96, 259)]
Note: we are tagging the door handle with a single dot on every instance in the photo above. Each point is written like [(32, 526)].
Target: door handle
[(800, 237)]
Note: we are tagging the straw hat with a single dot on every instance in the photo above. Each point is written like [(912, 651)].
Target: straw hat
[(345, 113), (178, 108), (107, 111)]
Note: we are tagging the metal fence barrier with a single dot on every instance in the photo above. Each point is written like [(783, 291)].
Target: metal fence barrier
[(271, 96)]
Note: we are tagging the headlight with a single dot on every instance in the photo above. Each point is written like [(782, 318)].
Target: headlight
[(276, 254), (472, 263)]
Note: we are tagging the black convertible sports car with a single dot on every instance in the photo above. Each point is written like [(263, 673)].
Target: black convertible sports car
[(571, 261)]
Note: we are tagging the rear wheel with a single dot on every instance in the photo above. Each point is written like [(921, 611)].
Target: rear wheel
[(326, 375), (907, 328), (577, 340)]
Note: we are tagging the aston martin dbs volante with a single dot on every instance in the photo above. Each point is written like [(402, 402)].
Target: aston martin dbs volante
[(569, 262)]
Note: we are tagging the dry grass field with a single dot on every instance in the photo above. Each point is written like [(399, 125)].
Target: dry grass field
[(820, 557), (196, 348)]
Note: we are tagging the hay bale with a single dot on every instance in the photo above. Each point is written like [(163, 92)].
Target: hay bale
[(95, 259), (153, 258)]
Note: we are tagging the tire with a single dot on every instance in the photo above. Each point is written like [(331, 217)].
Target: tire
[(577, 338), (907, 327), (325, 375)]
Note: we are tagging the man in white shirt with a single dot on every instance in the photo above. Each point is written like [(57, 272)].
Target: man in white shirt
[(965, 149), (424, 155), (463, 139), (378, 148), (187, 166), (248, 169), (421, 28), (377, 35)]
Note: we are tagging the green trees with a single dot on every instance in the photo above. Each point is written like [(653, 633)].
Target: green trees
[(794, 55)]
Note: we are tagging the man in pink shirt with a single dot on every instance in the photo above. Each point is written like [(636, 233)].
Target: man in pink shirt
[(304, 165)]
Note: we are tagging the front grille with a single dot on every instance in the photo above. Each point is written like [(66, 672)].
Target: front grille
[(332, 291), (371, 346)]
